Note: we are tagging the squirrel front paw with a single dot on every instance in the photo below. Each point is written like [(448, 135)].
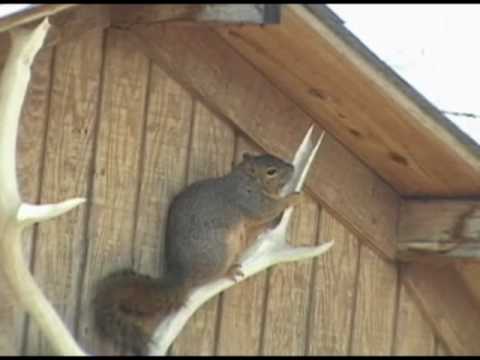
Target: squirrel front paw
[(235, 272)]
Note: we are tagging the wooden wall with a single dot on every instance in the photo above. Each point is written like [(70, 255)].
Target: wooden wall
[(102, 121)]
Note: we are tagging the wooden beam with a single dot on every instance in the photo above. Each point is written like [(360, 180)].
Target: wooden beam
[(341, 84), (201, 61), (125, 16), (30, 14), (449, 306), (68, 24), (439, 227)]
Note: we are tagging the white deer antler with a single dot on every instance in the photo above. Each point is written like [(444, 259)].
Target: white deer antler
[(270, 248), (14, 214)]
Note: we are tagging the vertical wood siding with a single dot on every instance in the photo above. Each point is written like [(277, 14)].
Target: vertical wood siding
[(120, 131)]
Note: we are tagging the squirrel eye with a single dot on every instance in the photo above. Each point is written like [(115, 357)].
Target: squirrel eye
[(271, 171)]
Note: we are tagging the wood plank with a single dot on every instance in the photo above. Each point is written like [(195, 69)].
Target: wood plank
[(30, 147), (375, 306), (242, 315), (201, 61), (440, 349), (211, 155), (68, 25), (341, 84), (448, 305), (288, 302), (333, 290), (30, 154), (447, 227), (31, 14), (470, 273), (60, 247), (115, 180), (165, 154), (413, 335), (127, 15)]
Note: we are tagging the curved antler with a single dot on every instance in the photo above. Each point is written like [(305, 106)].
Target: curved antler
[(14, 214)]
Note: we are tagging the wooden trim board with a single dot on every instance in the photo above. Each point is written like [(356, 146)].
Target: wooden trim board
[(323, 68)]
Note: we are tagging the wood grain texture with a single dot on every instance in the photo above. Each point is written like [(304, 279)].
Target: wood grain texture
[(60, 244), (31, 14), (440, 349), (413, 335), (67, 25), (288, 303), (164, 167), (442, 225), (129, 15), (242, 310), (375, 306), (450, 307), (333, 290), (115, 180), (329, 76), (211, 155), (200, 60), (470, 273)]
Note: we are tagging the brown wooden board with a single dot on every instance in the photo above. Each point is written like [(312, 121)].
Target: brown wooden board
[(288, 303), (451, 308), (67, 25), (115, 180), (243, 305), (60, 244), (30, 14), (320, 66), (164, 167), (470, 273), (451, 226), (200, 60), (211, 154), (375, 306), (440, 349), (413, 334), (333, 290)]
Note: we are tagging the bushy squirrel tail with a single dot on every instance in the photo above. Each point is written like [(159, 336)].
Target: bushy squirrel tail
[(128, 306)]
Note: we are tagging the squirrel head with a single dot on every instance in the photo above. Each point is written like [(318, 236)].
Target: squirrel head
[(271, 172)]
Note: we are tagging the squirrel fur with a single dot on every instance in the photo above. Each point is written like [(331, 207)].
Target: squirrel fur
[(209, 225)]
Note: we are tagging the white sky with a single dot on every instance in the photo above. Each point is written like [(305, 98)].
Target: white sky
[(436, 48), (6, 9)]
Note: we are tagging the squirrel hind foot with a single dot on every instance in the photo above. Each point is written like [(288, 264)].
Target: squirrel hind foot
[(235, 272)]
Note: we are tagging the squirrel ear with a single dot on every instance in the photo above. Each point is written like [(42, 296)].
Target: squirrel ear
[(247, 163)]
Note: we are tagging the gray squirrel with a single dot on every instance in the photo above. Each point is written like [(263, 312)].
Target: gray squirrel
[(208, 228)]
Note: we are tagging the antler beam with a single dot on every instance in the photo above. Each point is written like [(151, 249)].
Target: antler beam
[(14, 214), (270, 248)]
